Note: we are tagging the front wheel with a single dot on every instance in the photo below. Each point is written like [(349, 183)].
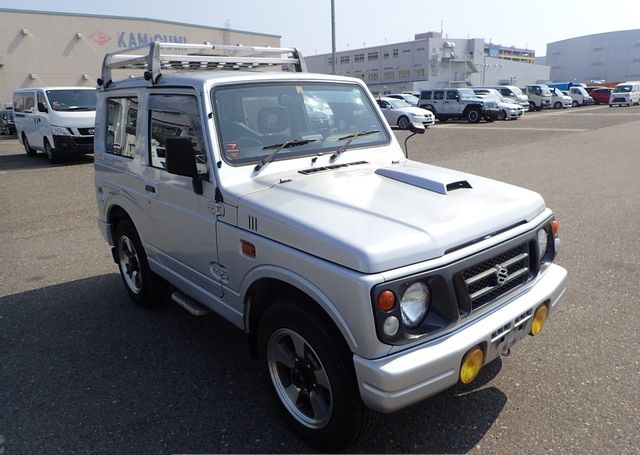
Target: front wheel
[(52, 155), (403, 122), (473, 115), (311, 370), (144, 287), (574, 103), (557, 105)]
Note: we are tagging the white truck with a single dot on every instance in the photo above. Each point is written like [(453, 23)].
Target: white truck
[(539, 96), (364, 280)]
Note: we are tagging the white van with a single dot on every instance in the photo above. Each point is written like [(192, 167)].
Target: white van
[(56, 120), (579, 96), (539, 96), (625, 93)]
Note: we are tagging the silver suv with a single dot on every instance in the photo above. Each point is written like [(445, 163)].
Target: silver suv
[(282, 201), (453, 103)]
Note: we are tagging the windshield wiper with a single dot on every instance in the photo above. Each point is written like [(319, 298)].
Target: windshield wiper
[(278, 147), (350, 138)]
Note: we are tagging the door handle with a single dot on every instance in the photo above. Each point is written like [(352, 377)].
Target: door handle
[(150, 189)]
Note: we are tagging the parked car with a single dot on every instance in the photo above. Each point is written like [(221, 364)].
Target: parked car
[(601, 95), (507, 108), (408, 97), (559, 100), (539, 96), (400, 113), (579, 97), (592, 88), (458, 103), (7, 123), (57, 120), (513, 93), (362, 279), (625, 93)]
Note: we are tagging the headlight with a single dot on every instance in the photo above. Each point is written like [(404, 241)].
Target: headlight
[(542, 243), (414, 304), (60, 131)]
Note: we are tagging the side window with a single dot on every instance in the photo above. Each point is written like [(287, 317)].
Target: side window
[(122, 116), (175, 116), (451, 94), (426, 95), (505, 92), (438, 95), (18, 103), (42, 106), (28, 105)]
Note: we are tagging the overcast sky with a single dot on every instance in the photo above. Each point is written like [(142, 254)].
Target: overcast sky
[(307, 23)]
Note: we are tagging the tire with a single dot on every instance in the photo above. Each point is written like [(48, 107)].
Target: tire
[(502, 115), (30, 151), (473, 115), (429, 107), (532, 106), (574, 103), (611, 105), (404, 122), (557, 105), (52, 155), (311, 370), (143, 286)]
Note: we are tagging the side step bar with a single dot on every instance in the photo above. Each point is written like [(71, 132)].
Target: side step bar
[(186, 302)]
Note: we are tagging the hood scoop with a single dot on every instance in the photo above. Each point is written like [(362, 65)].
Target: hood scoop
[(432, 180)]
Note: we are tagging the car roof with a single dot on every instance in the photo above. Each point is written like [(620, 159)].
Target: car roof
[(200, 78)]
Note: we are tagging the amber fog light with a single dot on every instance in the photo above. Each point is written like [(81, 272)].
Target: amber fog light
[(538, 320), (471, 364)]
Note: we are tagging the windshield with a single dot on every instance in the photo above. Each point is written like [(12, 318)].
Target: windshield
[(516, 91), (411, 99), (622, 89), (397, 104), (466, 93), (72, 100), (254, 117)]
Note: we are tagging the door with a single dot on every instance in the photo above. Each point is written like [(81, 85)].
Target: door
[(25, 109), (438, 101), (451, 104), (43, 128), (182, 223)]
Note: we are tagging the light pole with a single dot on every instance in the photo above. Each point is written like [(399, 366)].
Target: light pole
[(333, 36)]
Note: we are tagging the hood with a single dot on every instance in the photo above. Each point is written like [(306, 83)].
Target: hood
[(415, 111), (375, 219), (77, 119)]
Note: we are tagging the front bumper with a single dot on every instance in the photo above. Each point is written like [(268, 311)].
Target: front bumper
[(490, 113), (400, 380), (73, 144), (427, 121), (514, 114)]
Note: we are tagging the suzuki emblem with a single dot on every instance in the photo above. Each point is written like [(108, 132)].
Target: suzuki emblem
[(502, 273)]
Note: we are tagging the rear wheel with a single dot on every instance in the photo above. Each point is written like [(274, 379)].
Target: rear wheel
[(532, 106), (403, 122), (557, 105), (27, 148), (311, 370)]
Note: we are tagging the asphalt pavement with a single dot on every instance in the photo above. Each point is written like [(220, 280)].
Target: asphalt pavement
[(82, 370)]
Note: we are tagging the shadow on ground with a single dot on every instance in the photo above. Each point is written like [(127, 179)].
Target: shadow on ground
[(21, 161), (82, 370)]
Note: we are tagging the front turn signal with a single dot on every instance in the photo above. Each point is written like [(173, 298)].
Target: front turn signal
[(471, 364), (539, 317)]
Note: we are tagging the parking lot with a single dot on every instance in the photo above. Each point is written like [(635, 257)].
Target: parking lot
[(82, 370)]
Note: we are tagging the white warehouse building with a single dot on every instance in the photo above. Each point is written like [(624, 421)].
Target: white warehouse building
[(613, 56), (430, 61)]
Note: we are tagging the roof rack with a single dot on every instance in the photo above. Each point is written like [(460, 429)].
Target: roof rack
[(185, 56)]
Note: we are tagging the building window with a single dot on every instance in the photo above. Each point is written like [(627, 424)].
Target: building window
[(372, 55), (420, 72), (395, 53), (359, 75), (122, 116), (385, 54), (372, 77), (404, 51), (404, 73), (344, 59), (358, 58), (420, 49), (330, 60), (389, 75)]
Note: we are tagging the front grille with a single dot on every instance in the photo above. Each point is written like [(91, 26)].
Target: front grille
[(494, 277), (619, 100), (86, 131), (83, 140)]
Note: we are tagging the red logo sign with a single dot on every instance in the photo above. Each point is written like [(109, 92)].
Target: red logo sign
[(232, 149), (100, 37)]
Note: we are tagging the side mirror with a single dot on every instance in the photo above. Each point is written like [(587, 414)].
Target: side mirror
[(457, 97), (42, 107), (180, 160)]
